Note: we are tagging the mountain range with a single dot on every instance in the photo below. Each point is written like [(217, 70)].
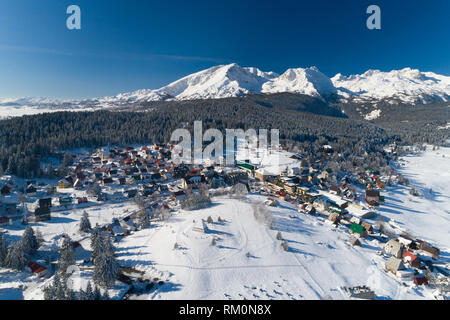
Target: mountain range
[(407, 86)]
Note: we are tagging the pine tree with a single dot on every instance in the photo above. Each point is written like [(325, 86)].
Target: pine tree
[(89, 292), (29, 242), (108, 246), (3, 249), (85, 224), (96, 245), (58, 287), (97, 293), (106, 270), (67, 255), (15, 259)]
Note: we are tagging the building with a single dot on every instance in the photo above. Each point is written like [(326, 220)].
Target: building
[(395, 248), (394, 264), (426, 249), (358, 230), (412, 259), (373, 197), (37, 269)]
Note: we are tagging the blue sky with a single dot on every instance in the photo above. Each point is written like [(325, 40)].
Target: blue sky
[(134, 44)]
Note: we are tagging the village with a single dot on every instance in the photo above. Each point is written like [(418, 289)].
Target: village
[(146, 177)]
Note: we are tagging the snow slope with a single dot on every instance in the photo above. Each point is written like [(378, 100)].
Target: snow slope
[(427, 216), (408, 85), (317, 265)]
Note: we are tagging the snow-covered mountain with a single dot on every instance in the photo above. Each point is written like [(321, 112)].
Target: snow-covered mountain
[(224, 81), (28, 101), (309, 81), (407, 85), (231, 80), (214, 83)]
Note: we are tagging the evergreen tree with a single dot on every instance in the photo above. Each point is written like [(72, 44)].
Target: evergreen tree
[(98, 245), (89, 292), (85, 224), (15, 259), (108, 247), (97, 293), (29, 242), (67, 255), (106, 270), (3, 249)]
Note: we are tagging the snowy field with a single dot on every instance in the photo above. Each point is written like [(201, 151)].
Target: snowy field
[(427, 216), (318, 263)]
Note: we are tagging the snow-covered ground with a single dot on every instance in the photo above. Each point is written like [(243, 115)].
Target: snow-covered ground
[(427, 216), (319, 261), (247, 261)]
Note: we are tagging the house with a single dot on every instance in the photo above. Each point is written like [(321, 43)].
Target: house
[(373, 197), (412, 259), (358, 230), (37, 269), (42, 214), (82, 200), (394, 264), (418, 281), (335, 190), (5, 221), (45, 203), (115, 228), (361, 292), (64, 201), (262, 175), (426, 249), (394, 247), (193, 181), (354, 241), (63, 184)]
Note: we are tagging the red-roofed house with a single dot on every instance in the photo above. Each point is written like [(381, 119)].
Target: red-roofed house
[(37, 269), (412, 259)]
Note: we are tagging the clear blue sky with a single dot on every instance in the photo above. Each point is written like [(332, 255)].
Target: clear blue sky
[(135, 44)]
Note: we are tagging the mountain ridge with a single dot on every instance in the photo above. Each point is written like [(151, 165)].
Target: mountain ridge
[(223, 81)]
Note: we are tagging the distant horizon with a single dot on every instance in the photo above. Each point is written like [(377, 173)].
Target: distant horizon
[(144, 45)]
